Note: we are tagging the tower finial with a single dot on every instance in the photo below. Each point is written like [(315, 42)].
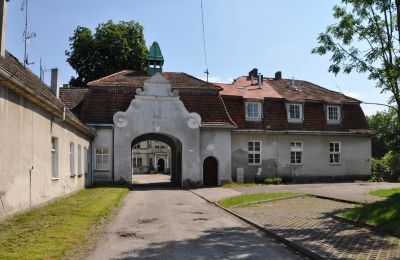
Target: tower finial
[(155, 60)]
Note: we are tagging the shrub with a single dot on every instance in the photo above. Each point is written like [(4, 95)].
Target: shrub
[(379, 170), (392, 162), (275, 181)]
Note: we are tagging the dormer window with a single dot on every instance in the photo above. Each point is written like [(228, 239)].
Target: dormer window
[(333, 114), (295, 112), (253, 111)]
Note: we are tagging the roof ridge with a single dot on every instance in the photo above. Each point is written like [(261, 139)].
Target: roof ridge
[(200, 80), (106, 77), (333, 91)]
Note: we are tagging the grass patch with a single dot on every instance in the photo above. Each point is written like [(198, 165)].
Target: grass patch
[(52, 231), (384, 214), (236, 184), (385, 193), (247, 198)]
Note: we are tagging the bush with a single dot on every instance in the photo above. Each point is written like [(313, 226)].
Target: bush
[(379, 170), (275, 181), (392, 162)]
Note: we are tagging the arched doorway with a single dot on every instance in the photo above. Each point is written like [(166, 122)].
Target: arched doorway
[(210, 171), (161, 165), (174, 164)]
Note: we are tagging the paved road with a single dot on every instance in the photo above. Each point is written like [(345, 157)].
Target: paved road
[(308, 222), (357, 192), (159, 222)]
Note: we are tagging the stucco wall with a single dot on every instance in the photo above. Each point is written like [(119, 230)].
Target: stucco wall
[(103, 138), (25, 136), (355, 156), (217, 143)]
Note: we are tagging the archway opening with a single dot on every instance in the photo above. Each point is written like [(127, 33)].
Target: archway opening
[(210, 171), (156, 158)]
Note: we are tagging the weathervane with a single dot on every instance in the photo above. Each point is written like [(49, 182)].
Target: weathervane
[(27, 36)]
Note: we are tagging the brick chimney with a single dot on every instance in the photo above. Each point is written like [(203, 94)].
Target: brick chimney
[(55, 86), (3, 13), (278, 75)]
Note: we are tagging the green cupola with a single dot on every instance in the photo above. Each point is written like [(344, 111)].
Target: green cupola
[(155, 60)]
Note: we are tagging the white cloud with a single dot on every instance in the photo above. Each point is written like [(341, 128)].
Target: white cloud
[(216, 79), (355, 95)]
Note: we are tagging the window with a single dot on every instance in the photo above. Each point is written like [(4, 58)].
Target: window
[(85, 160), (295, 113), (162, 146), (253, 110), (254, 153), (333, 114), (137, 162), (72, 159), (79, 160), (296, 152), (150, 162), (137, 146), (54, 157), (157, 146), (102, 155), (334, 152)]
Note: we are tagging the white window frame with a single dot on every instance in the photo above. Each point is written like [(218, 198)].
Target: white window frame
[(85, 161), (254, 153), (105, 153), (250, 117), (334, 152), (72, 159), (295, 119), (296, 149), (79, 160), (54, 158), (339, 117)]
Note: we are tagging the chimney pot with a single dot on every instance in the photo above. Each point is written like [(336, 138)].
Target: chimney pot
[(278, 75), (3, 20), (55, 87)]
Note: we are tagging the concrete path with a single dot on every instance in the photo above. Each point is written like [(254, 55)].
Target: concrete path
[(159, 222), (357, 192), (308, 222)]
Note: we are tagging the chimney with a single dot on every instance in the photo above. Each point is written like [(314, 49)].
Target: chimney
[(253, 73), (55, 87), (3, 10), (278, 75), (260, 80)]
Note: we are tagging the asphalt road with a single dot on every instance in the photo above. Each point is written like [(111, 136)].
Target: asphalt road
[(160, 222)]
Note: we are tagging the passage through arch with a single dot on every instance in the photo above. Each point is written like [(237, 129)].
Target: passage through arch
[(210, 171)]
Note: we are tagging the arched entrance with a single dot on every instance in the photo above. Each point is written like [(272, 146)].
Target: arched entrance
[(175, 165), (161, 165), (210, 171)]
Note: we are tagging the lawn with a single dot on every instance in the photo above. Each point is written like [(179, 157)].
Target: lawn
[(248, 198), (55, 230), (236, 184), (384, 214)]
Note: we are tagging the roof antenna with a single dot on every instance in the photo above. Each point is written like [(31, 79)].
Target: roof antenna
[(27, 36), (204, 40), (337, 86)]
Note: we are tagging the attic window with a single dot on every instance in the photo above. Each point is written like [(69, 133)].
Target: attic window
[(333, 114), (295, 113), (253, 111)]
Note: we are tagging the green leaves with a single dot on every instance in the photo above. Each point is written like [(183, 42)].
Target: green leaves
[(112, 48)]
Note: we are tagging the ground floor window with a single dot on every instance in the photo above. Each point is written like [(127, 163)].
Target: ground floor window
[(102, 155), (54, 157), (72, 159), (137, 162), (79, 160), (254, 152), (296, 152), (334, 152)]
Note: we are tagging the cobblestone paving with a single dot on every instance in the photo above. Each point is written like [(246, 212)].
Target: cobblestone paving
[(307, 221)]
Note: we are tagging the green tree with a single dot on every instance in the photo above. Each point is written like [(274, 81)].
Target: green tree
[(112, 48), (366, 38), (387, 133)]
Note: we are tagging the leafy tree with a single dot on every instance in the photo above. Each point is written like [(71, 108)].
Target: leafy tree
[(366, 38), (387, 133), (112, 48)]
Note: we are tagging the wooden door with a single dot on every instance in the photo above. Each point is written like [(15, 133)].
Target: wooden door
[(210, 171)]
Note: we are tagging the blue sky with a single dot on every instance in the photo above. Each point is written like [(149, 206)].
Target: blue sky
[(240, 35)]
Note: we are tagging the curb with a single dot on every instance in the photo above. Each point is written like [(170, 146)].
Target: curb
[(268, 200), (299, 248), (335, 199), (379, 230)]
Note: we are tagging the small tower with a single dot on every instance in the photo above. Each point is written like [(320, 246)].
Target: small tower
[(155, 60)]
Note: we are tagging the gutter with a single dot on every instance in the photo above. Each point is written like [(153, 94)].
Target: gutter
[(305, 132), (217, 126)]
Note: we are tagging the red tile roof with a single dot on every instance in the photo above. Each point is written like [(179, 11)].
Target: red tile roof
[(73, 98)]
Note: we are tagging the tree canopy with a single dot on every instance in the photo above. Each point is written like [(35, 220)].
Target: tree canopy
[(366, 38), (113, 47)]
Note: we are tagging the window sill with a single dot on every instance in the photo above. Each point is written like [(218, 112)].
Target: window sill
[(335, 164), (72, 176), (105, 170), (254, 164), (55, 179), (253, 119), (329, 122), (296, 164), (293, 121), (80, 175)]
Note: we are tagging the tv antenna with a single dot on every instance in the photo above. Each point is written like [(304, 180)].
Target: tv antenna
[(27, 36), (204, 40)]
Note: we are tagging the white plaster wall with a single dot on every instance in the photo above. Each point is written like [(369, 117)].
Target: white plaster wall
[(355, 155), (25, 136), (217, 143), (103, 138)]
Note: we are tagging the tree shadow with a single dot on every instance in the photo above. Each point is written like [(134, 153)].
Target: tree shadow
[(216, 243)]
